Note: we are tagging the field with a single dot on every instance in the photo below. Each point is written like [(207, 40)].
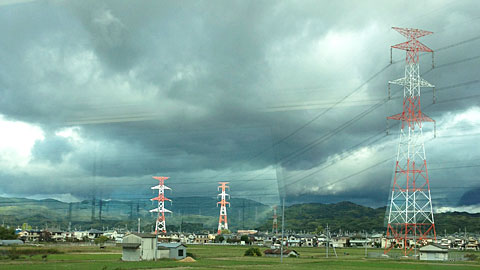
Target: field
[(215, 257)]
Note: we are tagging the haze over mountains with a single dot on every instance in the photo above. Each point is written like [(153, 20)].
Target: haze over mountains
[(200, 213)]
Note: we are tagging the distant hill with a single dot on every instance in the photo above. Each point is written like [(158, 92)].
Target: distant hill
[(347, 216), (199, 213), (188, 212)]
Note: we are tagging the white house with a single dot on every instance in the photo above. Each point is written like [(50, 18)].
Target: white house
[(433, 252), (114, 235)]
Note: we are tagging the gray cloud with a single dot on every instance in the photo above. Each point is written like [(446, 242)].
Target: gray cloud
[(188, 88), (53, 149)]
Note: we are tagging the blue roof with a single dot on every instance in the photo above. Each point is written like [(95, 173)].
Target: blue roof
[(170, 245)]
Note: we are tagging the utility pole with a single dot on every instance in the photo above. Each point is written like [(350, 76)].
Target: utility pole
[(328, 240), (283, 229), (100, 205), (70, 212), (366, 243), (138, 225), (243, 214), (131, 211), (93, 209), (222, 220), (410, 214)]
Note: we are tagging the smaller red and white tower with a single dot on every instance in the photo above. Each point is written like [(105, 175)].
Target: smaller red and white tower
[(222, 221), (160, 225), (275, 220)]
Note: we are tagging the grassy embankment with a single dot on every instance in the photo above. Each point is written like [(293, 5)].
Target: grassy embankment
[(214, 257)]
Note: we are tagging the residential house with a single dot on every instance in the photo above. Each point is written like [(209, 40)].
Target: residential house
[(293, 241), (277, 253), (29, 235), (359, 241), (340, 242), (433, 252), (114, 235), (472, 244), (201, 238), (308, 240)]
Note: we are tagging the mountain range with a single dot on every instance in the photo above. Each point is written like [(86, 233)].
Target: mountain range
[(200, 213)]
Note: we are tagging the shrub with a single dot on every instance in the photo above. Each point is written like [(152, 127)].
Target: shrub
[(101, 240), (471, 257), (192, 255), (253, 252), (13, 254)]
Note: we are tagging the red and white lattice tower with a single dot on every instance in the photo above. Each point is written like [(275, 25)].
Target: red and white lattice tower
[(160, 225), (410, 213), (222, 221), (275, 221)]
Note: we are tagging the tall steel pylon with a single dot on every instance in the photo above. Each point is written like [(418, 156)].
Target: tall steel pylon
[(410, 213), (222, 220), (160, 225), (275, 221)]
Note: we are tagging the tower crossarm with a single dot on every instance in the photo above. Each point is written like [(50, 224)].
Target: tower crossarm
[(412, 33), (160, 197), (161, 210), (421, 117), (160, 187), (403, 81), (412, 45)]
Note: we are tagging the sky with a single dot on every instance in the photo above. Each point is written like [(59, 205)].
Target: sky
[(275, 97)]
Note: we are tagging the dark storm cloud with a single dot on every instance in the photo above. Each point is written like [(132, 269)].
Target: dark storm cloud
[(471, 197), (52, 148), (186, 87)]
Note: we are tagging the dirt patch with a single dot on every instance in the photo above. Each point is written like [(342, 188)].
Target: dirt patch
[(188, 259), (170, 268)]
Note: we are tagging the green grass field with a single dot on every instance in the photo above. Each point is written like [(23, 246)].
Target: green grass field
[(220, 257)]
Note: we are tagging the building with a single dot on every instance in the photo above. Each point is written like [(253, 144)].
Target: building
[(277, 252), (114, 235), (142, 247), (175, 251), (246, 232), (138, 247), (433, 252), (11, 242), (29, 235), (360, 241), (201, 238), (340, 242)]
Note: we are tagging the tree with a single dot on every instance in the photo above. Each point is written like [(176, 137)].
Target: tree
[(253, 252), (45, 236), (319, 230), (245, 239), (101, 240), (219, 238), (7, 234)]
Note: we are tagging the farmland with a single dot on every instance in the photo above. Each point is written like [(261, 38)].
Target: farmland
[(214, 257)]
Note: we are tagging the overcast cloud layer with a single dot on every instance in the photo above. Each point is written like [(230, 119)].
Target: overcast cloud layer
[(98, 96)]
